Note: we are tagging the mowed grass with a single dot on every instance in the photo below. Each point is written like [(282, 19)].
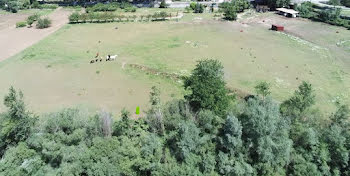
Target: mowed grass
[(56, 72)]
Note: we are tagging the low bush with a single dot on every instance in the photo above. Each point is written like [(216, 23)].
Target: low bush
[(32, 18), (188, 9), (43, 23), (163, 4), (130, 9), (125, 5), (74, 17), (160, 16), (193, 5), (199, 8), (21, 24), (35, 5)]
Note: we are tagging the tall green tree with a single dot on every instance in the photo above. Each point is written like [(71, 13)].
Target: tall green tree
[(266, 136), (154, 116), (263, 89), (302, 99), (207, 87), (231, 156), (16, 123)]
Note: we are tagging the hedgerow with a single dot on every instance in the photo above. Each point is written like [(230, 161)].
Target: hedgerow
[(109, 17)]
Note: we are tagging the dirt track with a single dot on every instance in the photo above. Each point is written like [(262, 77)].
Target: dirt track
[(13, 40)]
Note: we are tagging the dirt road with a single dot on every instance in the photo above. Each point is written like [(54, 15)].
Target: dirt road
[(13, 40)]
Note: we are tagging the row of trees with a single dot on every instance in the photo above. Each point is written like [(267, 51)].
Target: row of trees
[(330, 16), (109, 17), (128, 7), (340, 2), (209, 132)]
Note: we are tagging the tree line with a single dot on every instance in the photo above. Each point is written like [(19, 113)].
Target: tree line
[(15, 5), (208, 132), (326, 15), (112, 17)]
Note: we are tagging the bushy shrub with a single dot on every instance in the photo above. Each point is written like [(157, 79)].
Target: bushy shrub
[(21, 24), (345, 3), (163, 4), (230, 13), (43, 23), (12, 6), (35, 5), (305, 10), (32, 18), (130, 9), (193, 5), (199, 8), (74, 17), (241, 5), (160, 16), (124, 5)]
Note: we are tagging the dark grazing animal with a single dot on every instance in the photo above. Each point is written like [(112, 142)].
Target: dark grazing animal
[(92, 61)]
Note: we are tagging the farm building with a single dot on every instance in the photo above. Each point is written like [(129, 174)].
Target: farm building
[(287, 12)]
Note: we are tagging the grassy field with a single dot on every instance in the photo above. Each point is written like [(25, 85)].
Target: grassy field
[(56, 72)]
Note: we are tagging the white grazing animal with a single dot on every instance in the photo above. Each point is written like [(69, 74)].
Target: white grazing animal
[(114, 57)]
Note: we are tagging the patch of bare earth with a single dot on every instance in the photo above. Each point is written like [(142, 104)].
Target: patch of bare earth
[(13, 40)]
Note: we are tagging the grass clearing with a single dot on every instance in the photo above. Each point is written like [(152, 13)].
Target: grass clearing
[(56, 72)]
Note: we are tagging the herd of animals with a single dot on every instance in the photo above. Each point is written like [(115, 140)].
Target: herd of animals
[(108, 58)]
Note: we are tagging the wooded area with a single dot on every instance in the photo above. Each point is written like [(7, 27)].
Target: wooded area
[(209, 132)]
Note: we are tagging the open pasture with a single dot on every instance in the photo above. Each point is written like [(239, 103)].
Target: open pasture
[(56, 72)]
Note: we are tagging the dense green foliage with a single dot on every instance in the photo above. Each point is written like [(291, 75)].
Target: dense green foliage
[(163, 4), (330, 16), (109, 17), (15, 5), (43, 23), (99, 7), (273, 4), (32, 18), (200, 135), (207, 87), (195, 7), (345, 3), (230, 9), (334, 2), (199, 8)]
